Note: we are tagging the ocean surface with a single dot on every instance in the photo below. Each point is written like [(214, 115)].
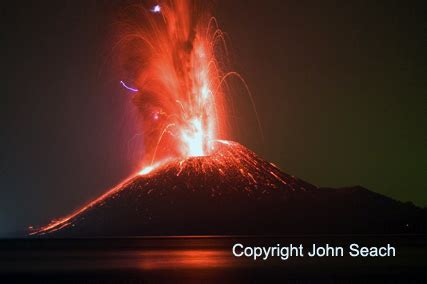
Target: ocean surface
[(205, 259)]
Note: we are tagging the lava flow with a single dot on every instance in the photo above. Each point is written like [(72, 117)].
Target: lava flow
[(179, 191)]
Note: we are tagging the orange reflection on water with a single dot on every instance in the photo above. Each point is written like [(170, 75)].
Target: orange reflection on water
[(185, 259)]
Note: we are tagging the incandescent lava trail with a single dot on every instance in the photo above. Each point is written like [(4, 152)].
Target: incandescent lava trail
[(174, 51)]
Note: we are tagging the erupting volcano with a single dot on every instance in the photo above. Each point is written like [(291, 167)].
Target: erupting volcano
[(232, 191), (192, 181)]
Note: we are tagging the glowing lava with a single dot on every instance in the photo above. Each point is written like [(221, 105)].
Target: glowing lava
[(172, 52), (230, 169)]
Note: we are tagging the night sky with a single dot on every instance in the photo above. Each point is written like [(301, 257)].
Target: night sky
[(340, 90)]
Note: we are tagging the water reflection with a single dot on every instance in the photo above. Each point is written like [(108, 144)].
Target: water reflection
[(186, 259), (195, 258)]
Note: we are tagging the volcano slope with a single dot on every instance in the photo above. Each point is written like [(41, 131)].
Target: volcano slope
[(233, 192)]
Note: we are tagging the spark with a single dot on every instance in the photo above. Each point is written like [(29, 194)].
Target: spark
[(165, 130), (128, 88)]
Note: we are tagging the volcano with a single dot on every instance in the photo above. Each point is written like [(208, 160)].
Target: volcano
[(233, 192)]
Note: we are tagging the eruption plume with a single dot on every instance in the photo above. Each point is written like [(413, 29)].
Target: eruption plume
[(172, 52)]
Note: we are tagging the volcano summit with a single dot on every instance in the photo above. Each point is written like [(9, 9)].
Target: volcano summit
[(233, 192)]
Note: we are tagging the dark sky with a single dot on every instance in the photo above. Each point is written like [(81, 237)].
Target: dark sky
[(340, 89)]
